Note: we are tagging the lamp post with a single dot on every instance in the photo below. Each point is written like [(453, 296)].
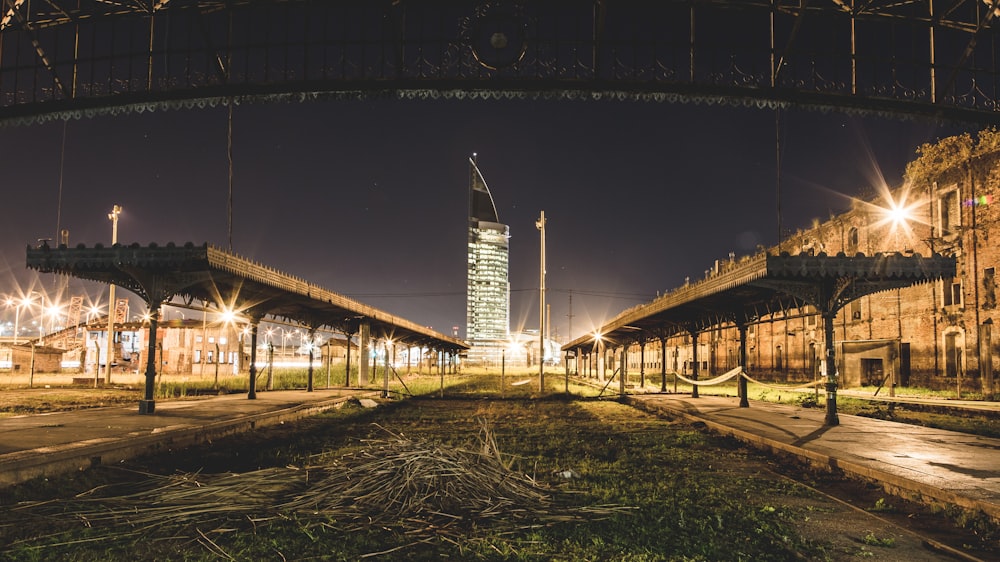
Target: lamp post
[(540, 225), (18, 304), (113, 216), (284, 335), (53, 311), (17, 315)]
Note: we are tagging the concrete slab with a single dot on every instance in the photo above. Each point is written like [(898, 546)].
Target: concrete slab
[(930, 465), (48, 444)]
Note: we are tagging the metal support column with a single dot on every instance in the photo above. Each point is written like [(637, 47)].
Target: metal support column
[(642, 364), (364, 334), (309, 379), (694, 361), (147, 405), (831, 369), (663, 364), (622, 361), (347, 363), (252, 393), (742, 381)]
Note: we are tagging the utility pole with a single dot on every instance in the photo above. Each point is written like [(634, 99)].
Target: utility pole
[(110, 351), (540, 225), (569, 334)]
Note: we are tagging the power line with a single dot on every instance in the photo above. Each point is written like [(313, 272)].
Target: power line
[(405, 295), (602, 294)]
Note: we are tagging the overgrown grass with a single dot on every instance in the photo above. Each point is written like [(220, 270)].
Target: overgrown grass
[(47, 400), (695, 496), (518, 382)]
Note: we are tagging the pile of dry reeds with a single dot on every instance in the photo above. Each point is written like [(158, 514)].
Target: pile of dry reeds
[(419, 484), (423, 489)]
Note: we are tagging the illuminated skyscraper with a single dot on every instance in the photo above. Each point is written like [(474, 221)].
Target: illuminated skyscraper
[(488, 300)]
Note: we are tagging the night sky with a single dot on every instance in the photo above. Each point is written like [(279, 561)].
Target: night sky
[(370, 198)]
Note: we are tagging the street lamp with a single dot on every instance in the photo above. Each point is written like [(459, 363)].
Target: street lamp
[(540, 225), (18, 304), (285, 334), (17, 314), (113, 216), (53, 311)]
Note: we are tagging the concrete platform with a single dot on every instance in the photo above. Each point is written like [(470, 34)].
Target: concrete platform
[(928, 465), (49, 444)]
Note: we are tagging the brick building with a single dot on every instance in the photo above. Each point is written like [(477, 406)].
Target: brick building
[(935, 335)]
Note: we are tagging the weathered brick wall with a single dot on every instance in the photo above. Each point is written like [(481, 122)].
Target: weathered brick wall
[(790, 347)]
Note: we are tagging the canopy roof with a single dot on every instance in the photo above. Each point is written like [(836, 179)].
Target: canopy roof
[(743, 292), (231, 282)]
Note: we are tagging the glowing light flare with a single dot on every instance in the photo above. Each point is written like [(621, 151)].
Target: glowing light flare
[(228, 315), (515, 345), (900, 214), (53, 310)]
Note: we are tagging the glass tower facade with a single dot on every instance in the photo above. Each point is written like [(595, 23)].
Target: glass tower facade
[(488, 292)]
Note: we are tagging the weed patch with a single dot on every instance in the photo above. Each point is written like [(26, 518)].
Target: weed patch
[(687, 499)]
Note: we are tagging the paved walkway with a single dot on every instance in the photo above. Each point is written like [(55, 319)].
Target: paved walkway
[(943, 466), (59, 442)]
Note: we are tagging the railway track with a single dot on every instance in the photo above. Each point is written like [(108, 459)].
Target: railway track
[(934, 531)]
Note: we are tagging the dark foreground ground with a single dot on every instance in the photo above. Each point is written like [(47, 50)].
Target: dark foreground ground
[(595, 480)]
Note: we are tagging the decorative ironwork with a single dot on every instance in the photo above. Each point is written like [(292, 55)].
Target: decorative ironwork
[(78, 58)]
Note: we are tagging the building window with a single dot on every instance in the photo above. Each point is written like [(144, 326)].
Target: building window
[(852, 241), (952, 293), (856, 309), (951, 217), (989, 288), (197, 356), (952, 354)]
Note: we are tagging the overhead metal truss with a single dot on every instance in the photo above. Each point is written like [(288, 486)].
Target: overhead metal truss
[(74, 58)]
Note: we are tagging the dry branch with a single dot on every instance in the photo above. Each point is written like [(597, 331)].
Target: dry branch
[(421, 489)]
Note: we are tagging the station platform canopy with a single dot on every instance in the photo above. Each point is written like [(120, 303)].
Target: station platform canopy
[(744, 291), (231, 283)]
